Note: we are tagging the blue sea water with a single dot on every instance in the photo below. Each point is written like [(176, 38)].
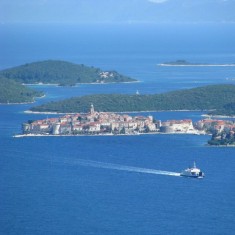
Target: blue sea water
[(107, 185)]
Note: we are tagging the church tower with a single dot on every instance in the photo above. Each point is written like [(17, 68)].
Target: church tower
[(92, 110)]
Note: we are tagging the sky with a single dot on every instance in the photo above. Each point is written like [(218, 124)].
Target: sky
[(116, 11)]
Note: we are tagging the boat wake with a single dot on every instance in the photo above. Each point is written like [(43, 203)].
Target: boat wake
[(123, 167)]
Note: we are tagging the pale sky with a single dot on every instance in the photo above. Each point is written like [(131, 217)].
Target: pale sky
[(116, 11)]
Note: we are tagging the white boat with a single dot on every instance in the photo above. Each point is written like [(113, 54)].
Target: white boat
[(192, 172)]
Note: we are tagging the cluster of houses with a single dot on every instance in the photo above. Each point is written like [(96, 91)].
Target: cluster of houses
[(106, 74), (223, 131), (218, 126), (92, 123), (113, 123)]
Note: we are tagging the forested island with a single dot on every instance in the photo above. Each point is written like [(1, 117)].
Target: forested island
[(62, 73), (177, 62), (187, 63), (14, 92), (211, 97)]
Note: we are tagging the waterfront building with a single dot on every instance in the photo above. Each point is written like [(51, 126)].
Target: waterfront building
[(56, 129)]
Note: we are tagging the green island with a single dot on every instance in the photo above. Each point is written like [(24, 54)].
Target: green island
[(62, 73), (187, 63), (178, 62), (13, 92), (212, 97)]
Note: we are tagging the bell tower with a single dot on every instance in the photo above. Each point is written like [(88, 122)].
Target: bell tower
[(92, 110)]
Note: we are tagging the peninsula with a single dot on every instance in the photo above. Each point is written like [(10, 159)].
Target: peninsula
[(61, 73), (105, 123), (109, 123), (213, 97)]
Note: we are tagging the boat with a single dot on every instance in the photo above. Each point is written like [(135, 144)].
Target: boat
[(193, 172)]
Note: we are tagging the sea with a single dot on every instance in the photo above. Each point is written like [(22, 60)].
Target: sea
[(104, 185)]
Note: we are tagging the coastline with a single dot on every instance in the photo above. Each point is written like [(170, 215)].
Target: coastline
[(77, 84), (31, 102), (36, 112), (221, 146), (40, 84), (154, 111), (108, 134), (216, 116), (17, 103), (105, 83)]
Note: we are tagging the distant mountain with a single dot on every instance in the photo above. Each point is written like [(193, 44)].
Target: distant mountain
[(201, 98), (186, 63), (14, 92), (62, 73)]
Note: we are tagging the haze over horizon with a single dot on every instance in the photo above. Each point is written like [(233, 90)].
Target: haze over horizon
[(113, 11)]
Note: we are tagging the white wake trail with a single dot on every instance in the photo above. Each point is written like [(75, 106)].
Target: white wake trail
[(123, 168)]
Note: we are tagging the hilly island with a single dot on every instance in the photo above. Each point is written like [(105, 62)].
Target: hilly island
[(61, 73), (14, 92), (216, 98), (12, 80)]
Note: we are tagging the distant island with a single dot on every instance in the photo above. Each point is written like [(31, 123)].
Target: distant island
[(14, 92), (186, 63), (61, 73), (12, 81), (213, 97)]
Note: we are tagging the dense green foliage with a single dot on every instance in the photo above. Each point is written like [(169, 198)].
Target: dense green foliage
[(61, 72), (227, 110), (223, 138), (14, 92), (202, 98)]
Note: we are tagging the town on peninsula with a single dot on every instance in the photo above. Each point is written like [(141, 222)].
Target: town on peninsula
[(110, 123), (109, 119)]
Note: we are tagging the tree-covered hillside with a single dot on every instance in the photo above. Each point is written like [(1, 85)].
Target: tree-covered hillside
[(62, 73), (202, 98), (226, 137), (14, 92), (227, 110)]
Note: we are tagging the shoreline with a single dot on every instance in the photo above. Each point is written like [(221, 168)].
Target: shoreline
[(221, 146), (217, 116), (17, 103), (77, 84), (108, 134), (36, 112), (153, 111), (39, 97)]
